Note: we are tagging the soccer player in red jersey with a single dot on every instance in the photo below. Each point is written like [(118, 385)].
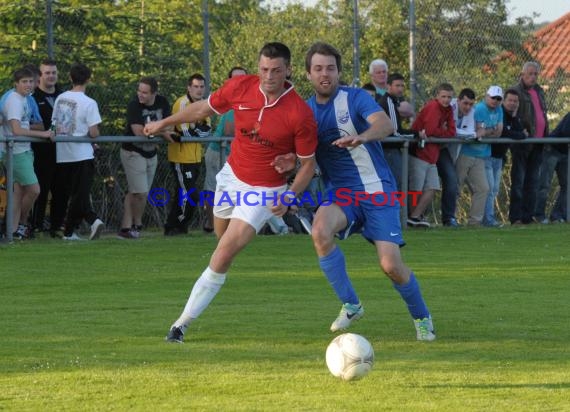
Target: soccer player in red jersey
[(271, 119)]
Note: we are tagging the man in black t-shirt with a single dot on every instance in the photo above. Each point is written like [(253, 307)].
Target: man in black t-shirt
[(50, 178), (139, 159)]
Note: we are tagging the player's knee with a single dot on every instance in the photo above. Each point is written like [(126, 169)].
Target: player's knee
[(394, 268), (321, 235)]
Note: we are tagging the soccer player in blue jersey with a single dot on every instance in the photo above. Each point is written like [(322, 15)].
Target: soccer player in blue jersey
[(349, 154)]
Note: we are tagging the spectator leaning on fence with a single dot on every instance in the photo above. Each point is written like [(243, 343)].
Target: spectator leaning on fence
[(434, 120), (186, 160), (527, 159), (512, 129), (555, 159), (50, 177), (16, 117), (140, 159), (390, 102), (464, 116), (76, 114), (491, 113)]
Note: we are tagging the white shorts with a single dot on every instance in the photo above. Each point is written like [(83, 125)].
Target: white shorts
[(237, 199)]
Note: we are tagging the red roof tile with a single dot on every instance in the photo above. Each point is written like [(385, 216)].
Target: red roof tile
[(552, 50)]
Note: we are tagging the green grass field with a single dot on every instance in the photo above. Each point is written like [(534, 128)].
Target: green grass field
[(82, 326)]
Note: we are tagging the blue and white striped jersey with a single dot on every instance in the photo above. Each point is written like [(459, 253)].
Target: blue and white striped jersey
[(361, 168)]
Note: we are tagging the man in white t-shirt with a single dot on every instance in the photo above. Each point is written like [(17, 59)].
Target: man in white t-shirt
[(16, 115), (76, 114)]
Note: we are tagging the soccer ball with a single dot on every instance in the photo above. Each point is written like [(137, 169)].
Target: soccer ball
[(350, 356)]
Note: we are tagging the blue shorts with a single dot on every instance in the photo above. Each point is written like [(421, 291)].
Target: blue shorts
[(374, 222)]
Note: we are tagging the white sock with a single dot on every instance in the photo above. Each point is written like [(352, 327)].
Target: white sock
[(206, 287)]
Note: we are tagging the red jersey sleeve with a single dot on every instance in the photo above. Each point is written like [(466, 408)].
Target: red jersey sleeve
[(225, 98)]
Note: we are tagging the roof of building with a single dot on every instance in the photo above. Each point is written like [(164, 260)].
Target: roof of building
[(553, 51)]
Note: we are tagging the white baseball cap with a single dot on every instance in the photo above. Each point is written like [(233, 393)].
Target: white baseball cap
[(495, 91)]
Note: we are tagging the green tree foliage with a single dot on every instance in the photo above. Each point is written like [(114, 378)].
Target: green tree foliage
[(467, 43)]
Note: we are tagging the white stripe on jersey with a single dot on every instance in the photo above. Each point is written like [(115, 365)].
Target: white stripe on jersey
[(392, 114), (360, 155)]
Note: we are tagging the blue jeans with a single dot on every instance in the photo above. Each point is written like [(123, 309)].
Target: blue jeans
[(552, 161), (525, 174), (493, 170), (449, 185)]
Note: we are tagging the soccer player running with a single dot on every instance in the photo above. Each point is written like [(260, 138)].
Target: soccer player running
[(349, 154), (271, 119)]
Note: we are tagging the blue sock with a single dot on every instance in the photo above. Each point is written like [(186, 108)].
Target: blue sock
[(334, 267), (412, 295)]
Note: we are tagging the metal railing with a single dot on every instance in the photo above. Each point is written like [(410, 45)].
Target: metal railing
[(404, 139)]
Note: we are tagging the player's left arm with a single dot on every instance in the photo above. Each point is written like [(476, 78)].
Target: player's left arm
[(380, 128)]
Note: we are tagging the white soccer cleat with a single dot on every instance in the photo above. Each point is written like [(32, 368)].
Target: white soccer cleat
[(348, 314), (424, 329)]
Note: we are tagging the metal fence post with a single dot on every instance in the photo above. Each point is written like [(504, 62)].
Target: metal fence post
[(9, 189)]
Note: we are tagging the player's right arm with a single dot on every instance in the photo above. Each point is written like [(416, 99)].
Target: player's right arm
[(191, 114)]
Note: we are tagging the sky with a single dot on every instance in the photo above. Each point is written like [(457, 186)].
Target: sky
[(549, 10)]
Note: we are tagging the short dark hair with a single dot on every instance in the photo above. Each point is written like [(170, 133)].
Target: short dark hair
[(151, 82), (514, 92), (80, 74), (231, 72), (369, 86), (22, 73), (196, 76), (34, 69), (48, 62), (275, 50), (393, 77), (444, 86), (467, 92), (326, 50)]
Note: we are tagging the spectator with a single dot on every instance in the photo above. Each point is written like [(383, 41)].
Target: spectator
[(491, 114), (525, 170), (214, 156), (512, 128), (76, 114), (370, 89), (390, 102), (140, 159), (186, 160), (555, 159), (16, 115), (464, 116), (378, 70), (434, 120), (472, 158), (50, 178)]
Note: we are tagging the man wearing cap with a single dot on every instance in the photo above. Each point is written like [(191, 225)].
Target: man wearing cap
[(471, 161)]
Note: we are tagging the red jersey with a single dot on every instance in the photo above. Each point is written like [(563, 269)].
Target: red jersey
[(438, 122), (262, 130)]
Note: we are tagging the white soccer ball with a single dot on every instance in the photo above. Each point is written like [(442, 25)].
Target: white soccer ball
[(350, 356)]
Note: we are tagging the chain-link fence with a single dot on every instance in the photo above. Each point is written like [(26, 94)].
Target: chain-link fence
[(465, 43)]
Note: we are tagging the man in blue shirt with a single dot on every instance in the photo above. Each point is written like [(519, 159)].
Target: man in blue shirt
[(350, 157)]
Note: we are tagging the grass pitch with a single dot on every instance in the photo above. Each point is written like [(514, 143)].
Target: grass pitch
[(83, 325)]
